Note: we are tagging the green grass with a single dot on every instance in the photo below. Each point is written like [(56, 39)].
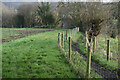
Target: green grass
[(39, 56), (102, 45), (98, 57), (35, 56), (26, 29)]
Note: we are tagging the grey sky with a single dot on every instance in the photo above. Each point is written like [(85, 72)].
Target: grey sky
[(59, 0)]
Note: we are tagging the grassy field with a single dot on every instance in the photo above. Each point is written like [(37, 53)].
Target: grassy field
[(35, 56), (38, 56)]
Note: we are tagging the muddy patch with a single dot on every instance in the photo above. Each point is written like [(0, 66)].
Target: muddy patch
[(16, 34)]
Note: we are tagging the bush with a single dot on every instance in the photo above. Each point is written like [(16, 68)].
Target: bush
[(113, 34)]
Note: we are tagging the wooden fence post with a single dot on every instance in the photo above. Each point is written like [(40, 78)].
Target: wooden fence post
[(88, 62), (66, 34), (62, 40), (78, 29), (69, 32), (69, 48), (72, 32), (91, 44), (108, 50), (86, 40), (94, 44), (59, 42)]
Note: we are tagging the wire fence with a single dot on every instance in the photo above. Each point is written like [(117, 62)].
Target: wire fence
[(80, 64), (85, 64), (106, 48), (105, 52), (101, 47)]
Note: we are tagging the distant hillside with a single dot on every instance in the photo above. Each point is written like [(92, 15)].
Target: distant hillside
[(12, 4), (16, 4)]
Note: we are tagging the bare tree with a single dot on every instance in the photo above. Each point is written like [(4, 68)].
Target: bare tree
[(90, 16), (27, 10), (8, 15)]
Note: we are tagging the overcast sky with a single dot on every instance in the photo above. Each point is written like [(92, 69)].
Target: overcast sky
[(58, 0)]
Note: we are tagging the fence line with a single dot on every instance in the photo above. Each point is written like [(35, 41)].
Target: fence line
[(73, 32), (90, 48), (88, 62), (94, 44)]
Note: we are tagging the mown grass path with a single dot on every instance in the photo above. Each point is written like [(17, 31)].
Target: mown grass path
[(35, 56)]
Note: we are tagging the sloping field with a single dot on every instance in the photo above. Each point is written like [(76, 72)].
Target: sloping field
[(35, 56)]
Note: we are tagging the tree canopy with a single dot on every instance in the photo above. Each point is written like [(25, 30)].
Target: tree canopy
[(44, 14), (89, 16)]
